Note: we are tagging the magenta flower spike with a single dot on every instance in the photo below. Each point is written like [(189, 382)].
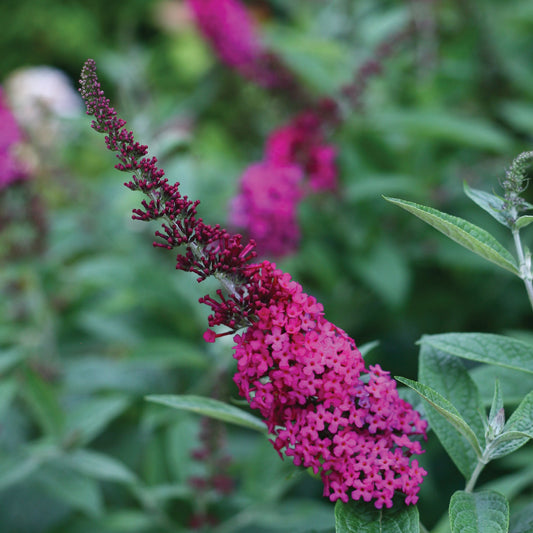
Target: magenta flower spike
[(303, 374)]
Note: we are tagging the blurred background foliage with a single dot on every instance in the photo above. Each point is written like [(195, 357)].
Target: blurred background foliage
[(92, 318)]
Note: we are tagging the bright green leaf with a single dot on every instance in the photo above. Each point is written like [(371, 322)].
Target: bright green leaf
[(361, 517), (446, 409), (485, 348), (491, 203), (472, 237), (448, 376), (212, 408), (480, 512)]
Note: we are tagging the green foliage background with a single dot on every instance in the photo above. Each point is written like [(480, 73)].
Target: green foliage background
[(93, 318)]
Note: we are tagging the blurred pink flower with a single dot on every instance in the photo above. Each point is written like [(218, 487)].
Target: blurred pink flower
[(267, 206), (301, 142), (229, 28), (232, 32), (297, 162), (11, 169)]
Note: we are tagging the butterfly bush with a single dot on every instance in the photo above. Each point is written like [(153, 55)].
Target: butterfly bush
[(11, 168), (303, 374)]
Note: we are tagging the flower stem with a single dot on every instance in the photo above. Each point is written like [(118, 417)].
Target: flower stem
[(524, 265), (475, 474)]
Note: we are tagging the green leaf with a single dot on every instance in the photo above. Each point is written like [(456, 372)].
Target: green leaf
[(9, 358), (77, 491), (485, 348), (446, 409), (513, 383), (385, 270), (98, 466), (497, 403), (361, 517), (511, 485), (126, 521), (524, 221), (212, 408), (491, 203), (437, 124), (297, 515), (366, 348), (517, 431), (16, 469), (42, 399), (480, 512), (522, 417), (448, 376), (375, 185), (8, 390), (522, 522), (90, 418), (472, 237)]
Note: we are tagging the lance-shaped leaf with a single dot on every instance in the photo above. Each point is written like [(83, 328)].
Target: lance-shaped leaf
[(492, 204), (448, 376), (470, 236), (212, 408), (480, 512), (360, 517), (485, 348), (446, 409), (517, 431)]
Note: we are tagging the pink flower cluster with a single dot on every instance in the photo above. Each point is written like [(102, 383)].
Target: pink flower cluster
[(228, 27), (11, 169), (297, 162), (326, 411)]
